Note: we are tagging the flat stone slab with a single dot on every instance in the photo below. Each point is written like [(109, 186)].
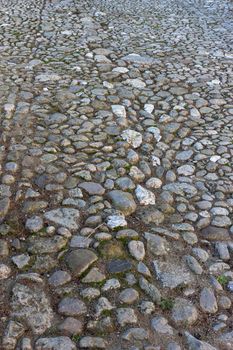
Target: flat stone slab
[(56, 343), (123, 201), (92, 188), (138, 59), (196, 344), (31, 305), (118, 266), (72, 307), (55, 118), (66, 217), (213, 233), (48, 77), (172, 275), (79, 260), (43, 245)]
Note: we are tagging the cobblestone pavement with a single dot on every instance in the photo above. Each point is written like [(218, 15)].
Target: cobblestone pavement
[(116, 174)]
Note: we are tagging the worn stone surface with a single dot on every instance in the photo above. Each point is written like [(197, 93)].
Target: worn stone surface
[(72, 307), (184, 312), (31, 305), (116, 164), (123, 201), (56, 343), (79, 260), (66, 217)]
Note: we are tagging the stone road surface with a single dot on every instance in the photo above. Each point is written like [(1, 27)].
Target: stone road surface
[(116, 193)]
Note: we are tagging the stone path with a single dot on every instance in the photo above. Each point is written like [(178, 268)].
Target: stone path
[(116, 174)]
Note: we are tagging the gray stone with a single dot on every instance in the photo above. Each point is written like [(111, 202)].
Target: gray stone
[(156, 245), (42, 245), (184, 312), (172, 275), (195, 344), (71, 326), (151, 215), (80, 260), (103, 305), (80, 242), (55, 343), (135, 334), (212, 233), (118, 266), (72, 307), (137, 250), (93, 276), (59, 278), (226, 340), (193, 264), (173, 346), (13, 331), (160, 325), (136, 58), (34, 224), (143, 269), (90, 293), (21, 260), (31, 305), (56, 118), (150, 289), (92, 188), (184, 155), (123, 201), (45, 78), (208, 302), (128, 296), (66, 217), (92, 343), (181, 188), (126, 316), (147, 307)]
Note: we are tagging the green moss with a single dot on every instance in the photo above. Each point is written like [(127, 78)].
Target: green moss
[(223, 280), (76, 337), (166, 304)]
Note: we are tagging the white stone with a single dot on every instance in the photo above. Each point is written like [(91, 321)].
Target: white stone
[(215, 158), (126, 316), (119, 111), (134, 138), (115, 221), (65, 217), (144, 196), (160, 325), (195, 113), (113, 283), (21, 260), (155, 160), (44, 78), (154, 182), (156, 132), (137, 249), (121, 70), (136, 83), (186, 170), (149, 108), (5, 271)]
